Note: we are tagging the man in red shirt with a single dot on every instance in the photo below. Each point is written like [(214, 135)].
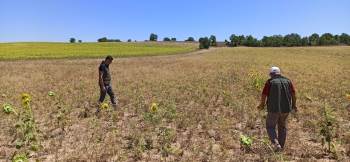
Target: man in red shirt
[(279, 94)]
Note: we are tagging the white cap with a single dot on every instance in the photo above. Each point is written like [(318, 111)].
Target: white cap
[(275, 70)]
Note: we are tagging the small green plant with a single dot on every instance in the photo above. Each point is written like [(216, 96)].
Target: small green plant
[(246, 143), (7, 108), (165, 137), (51, 93), (153, 116), (257, 79), (20, 158), (328, 125), (169, 111)]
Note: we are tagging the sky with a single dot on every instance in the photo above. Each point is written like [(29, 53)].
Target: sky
[(88, 20)]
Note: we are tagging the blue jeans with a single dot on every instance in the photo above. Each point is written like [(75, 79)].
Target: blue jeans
[(279, 119), (110, 92)]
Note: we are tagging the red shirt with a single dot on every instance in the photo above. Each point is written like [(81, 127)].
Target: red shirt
[(266, 89)]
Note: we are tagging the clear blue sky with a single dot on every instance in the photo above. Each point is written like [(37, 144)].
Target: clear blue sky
[(58, 20)]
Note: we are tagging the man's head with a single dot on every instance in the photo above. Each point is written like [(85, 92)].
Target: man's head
[(108, 59), (275, 71)]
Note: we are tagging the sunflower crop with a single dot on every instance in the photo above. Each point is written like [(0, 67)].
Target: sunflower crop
[(26, 100), (25, 96), (154, 107), (104, 106)]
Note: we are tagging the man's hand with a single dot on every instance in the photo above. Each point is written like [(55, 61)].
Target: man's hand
[(295, 108), (103, 88), (262, 102)]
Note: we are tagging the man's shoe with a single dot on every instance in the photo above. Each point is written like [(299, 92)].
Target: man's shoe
[(278, 147)]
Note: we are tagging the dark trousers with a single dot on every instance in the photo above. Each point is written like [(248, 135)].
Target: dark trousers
[(279, 119), (110, 92)]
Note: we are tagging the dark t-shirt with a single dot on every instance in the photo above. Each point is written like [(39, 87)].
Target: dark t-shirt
[(106, 76)]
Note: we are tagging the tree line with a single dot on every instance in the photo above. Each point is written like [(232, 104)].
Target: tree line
[(289, 40)]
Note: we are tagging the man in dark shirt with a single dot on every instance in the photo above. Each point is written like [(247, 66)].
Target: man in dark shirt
[(104, 80), (280, 94)]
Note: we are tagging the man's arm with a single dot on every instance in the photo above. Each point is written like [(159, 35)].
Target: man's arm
[(294, 102), (264, 94), (294, 99), (262, 102), (100, 80)]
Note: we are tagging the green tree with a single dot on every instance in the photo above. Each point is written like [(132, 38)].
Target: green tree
[(103, 39), (227, 43), (241, 40), (173, 39), (190, 39), (327, 39), (204, 43), (305, 41), (212, 40), (72, 40), (153, 37), (314, 39), (234, 40), (250, 41), (344, 39), (80, 41), (166, 39), (291, 40), (272, 41), (129, 40)]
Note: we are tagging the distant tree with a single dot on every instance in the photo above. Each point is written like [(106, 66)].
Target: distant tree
[(72, 40), (291, 40), (305, 41), (153, 37), (204, 43), (103, 39), (327, 39), (173, 39), (344, 39), (250, 41), (234, 40), (314, 39), (166, 39), (227, 43), (129, 40), (241, 40), (272, 41), (190, 39), (212, 40), (337, 39)]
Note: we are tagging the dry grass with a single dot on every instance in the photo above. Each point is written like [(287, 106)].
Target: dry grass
[(204, 102)]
